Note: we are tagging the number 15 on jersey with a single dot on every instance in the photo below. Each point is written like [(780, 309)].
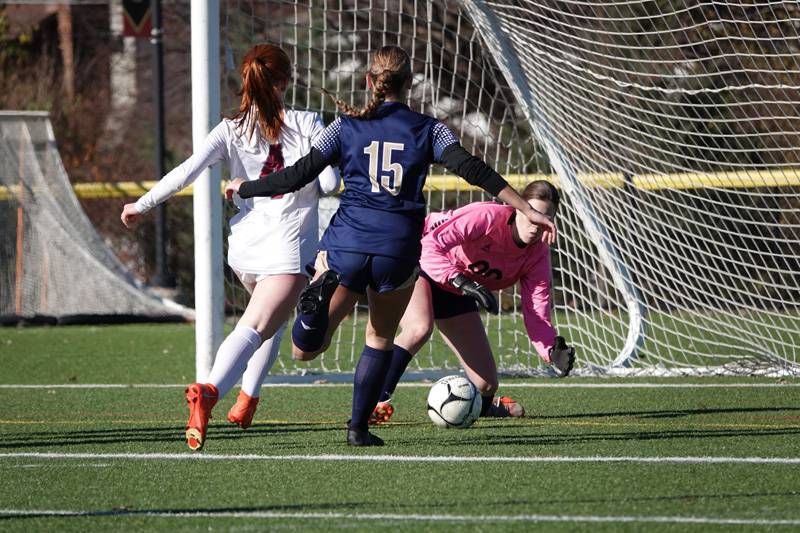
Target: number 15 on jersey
[(391, 174)]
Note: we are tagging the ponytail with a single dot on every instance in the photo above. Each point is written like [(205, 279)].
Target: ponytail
[(264, 68)]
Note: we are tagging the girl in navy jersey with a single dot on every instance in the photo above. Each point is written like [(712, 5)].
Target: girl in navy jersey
[(372, 244), (271, 239)]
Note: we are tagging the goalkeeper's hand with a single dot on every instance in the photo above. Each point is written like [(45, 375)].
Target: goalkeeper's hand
[(471, 288), (562, 357)]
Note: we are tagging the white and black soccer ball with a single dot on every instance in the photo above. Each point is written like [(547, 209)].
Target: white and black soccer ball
[(454, 402)]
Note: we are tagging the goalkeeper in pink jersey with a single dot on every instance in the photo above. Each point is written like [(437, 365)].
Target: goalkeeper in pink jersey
[(466, 254)]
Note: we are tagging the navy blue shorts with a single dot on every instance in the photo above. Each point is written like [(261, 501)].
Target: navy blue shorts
[(379, 272), (446, 304)]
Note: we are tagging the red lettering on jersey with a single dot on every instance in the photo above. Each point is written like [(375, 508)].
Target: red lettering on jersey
[(273, 163)]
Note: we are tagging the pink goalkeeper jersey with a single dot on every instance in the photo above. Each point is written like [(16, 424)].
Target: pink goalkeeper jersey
[(476, 240)]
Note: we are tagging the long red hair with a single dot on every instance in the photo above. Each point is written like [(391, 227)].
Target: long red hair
[(264, 68)]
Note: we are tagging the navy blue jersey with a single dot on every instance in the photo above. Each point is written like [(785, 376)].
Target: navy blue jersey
[(384, 163)]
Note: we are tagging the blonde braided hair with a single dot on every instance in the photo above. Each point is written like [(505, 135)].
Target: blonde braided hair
[(390, 71)]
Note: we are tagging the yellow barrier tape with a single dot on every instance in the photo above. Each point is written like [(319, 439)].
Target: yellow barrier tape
[(745, 179)]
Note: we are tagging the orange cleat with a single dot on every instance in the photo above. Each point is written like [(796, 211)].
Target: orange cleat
[(243, 410), (382, 413), (504, 406), (201, 399)]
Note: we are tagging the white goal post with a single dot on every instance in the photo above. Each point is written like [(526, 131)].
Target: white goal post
[(207, 207), (672, 130)]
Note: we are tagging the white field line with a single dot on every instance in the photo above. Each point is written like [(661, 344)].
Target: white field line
[(559, 385), (404, 458), (78, 465), (405, 517)]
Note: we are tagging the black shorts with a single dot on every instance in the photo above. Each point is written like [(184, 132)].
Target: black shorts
[(446, 304)]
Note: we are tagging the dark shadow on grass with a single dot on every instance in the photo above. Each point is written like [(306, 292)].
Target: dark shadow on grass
[(682, 497), (188, 512), (672, 413), (321, 507), (584, 438), (50, 439)]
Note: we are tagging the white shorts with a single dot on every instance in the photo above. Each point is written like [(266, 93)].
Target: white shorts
[(248, 278), (262, 245)]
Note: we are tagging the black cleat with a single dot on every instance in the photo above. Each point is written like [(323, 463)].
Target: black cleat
[(318, 293), (362, 437)]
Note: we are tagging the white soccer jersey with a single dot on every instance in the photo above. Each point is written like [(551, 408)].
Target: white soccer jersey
[(268, 235)]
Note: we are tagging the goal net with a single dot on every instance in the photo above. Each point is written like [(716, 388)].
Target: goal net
[(54, 267), (672, 131)]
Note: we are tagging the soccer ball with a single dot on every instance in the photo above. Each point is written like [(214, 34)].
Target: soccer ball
[(454, 402)]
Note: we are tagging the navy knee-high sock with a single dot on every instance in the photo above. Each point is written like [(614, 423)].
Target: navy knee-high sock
[(368, 381), (308, 331), (400, 359)]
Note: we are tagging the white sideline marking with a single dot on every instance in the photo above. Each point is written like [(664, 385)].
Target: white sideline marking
[(404, 458), (407, 384), (408, 517)]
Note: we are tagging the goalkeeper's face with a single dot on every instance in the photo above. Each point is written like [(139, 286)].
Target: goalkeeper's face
[(527, 232)]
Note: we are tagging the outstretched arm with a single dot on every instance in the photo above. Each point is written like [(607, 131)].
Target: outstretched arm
[(212, 151), (324, 152), (473, 169), (476, 172), (536, 309), (535, 294), (290, 179)]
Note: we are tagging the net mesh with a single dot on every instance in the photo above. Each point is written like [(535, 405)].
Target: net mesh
[(55, 267), (671, 129)]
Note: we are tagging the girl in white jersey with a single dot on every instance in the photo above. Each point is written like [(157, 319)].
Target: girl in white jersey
[(466, 254), (271, 239)]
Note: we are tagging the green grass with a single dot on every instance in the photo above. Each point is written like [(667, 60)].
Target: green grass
[(168, 349), (118, 492)]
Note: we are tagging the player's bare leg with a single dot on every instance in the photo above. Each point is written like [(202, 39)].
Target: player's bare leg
[(416, 325), (271, 303), (466, 336)]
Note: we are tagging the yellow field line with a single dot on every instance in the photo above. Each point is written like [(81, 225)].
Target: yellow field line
[(744, 179)]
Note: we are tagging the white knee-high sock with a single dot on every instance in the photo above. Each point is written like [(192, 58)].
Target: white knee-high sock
[(232, 357), (261, 363)]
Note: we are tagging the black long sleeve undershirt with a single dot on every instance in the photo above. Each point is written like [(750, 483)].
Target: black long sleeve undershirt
[(473, 169), (289, 179), (455, 158)]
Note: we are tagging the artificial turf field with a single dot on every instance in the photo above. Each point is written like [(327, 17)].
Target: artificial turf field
[(594, 454)]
